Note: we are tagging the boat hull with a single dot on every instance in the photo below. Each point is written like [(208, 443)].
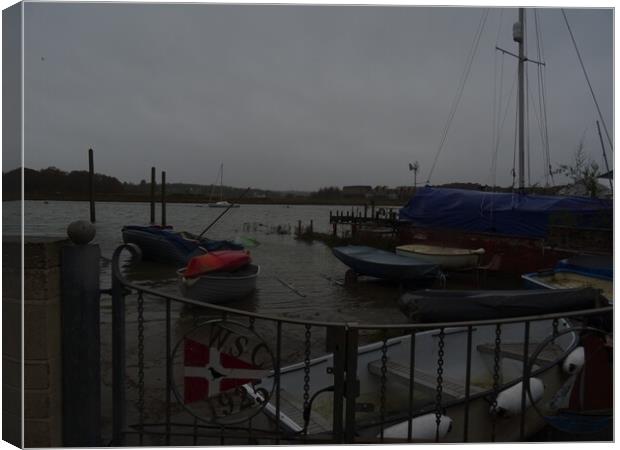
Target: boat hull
[(450, 259), (516, 255), (220, 287), (386, 265), (481, 425), (564, 278)]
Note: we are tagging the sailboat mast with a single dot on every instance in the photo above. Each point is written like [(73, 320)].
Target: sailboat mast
[(518, 35)]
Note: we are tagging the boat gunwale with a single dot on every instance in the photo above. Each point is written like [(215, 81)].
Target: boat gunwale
[(464, 251)]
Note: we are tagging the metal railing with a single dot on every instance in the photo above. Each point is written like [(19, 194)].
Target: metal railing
[(384, 391)]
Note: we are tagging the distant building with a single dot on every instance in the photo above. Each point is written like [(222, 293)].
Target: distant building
[(356, 191)]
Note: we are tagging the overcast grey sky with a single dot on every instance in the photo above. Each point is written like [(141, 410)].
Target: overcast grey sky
[(297, 97)]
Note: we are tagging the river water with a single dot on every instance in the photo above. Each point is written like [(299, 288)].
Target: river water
[(310, 268)]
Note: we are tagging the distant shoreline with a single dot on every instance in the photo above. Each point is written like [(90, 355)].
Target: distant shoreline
[(175, 198)]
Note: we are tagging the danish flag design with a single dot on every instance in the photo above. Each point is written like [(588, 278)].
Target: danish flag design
[(209, 372)]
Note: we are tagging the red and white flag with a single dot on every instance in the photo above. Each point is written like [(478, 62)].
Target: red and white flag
[(209, 372)]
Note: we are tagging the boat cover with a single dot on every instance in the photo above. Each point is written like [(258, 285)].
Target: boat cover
[(428, 306), (511, 214), (223, 260), (186, 242)]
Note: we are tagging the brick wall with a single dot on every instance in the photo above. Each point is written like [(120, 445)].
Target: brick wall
[(42, 332)]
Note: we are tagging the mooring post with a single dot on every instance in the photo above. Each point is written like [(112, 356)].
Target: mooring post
[(152, 195), (91, 184), (299, 228), (80, 338), (365, 210), (372, 209), (311, 226), (163, 198)]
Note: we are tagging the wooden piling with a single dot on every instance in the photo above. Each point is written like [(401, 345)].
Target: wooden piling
[(299, 228), (91, 184), (152, 195), (163, 198), (365, 210), (372, 209), (311, 226)]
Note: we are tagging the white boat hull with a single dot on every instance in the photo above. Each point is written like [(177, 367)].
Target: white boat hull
[(446, 259), (480, 421)]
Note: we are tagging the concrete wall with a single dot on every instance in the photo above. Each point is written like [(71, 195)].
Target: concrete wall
[(42, 410)]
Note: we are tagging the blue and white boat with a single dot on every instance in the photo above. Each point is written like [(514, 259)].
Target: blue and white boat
[(383, 264)]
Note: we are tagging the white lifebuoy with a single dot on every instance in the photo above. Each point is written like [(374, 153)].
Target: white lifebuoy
[(422, 427), (509, 401), (574, 361)]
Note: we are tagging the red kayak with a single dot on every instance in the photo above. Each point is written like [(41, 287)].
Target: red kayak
[(221, 260)]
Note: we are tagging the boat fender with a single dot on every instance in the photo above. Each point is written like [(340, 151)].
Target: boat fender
[(509, 400), (422, 428), (574, 361)]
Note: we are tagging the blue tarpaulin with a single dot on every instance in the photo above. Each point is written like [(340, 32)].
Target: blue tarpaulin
[(512, 214)]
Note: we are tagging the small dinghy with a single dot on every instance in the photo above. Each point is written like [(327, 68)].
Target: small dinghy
[(163, 244), (219, 277), (220, 287), (447, 258), (382, 264), (576, 272)]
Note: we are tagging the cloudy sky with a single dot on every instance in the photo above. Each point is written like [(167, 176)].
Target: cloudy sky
[(299, 97)]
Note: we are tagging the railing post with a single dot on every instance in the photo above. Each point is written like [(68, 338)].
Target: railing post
[(81, 371), (118, 354), (351, 383), (336, 343)]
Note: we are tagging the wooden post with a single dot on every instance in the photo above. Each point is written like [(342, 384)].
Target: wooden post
[(372, 209), (299, 228), (80, 338), (163, 198), (152, 195), (334, 230), (365, 210), (311, 226), (91, 184)]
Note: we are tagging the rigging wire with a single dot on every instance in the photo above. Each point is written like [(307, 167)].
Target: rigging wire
[(583, 67), (514, 149), (497, 106), (459, 93), (542, 98)]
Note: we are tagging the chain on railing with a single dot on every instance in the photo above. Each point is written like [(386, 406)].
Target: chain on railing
[(307, 350), (443, 390), (141, 365), (440, 354), (382, 396), (496, 378)]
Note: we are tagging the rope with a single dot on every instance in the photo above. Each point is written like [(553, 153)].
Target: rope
[(459, 92), (583, 67)]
